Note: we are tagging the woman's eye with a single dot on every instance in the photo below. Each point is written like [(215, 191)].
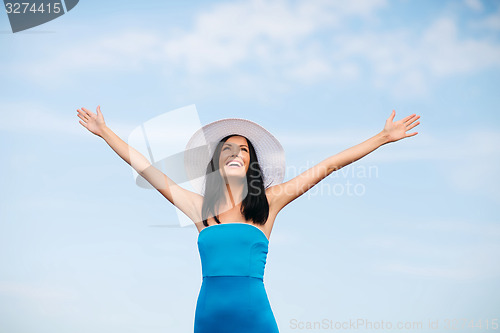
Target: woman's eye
[(225, 148)]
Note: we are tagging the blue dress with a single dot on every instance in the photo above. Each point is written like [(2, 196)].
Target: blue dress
[(232, 296)]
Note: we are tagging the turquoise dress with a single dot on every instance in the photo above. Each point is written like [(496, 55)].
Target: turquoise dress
[(232, 296)]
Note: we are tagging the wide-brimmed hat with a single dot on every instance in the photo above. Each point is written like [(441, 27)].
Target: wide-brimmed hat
[(201, 147)]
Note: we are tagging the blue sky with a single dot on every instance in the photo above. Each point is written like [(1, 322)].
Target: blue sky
[(83, 248)]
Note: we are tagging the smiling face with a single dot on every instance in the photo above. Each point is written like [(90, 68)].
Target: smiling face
[(235, 156)]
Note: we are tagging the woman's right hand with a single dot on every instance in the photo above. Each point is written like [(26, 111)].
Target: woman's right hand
[(91, 121)]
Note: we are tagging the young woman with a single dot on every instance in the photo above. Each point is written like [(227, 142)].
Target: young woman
[(234, 208)]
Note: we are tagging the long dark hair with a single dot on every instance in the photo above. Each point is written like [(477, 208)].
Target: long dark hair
[(254, 206)]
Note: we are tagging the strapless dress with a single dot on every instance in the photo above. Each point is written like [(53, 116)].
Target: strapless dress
[(232, 296)]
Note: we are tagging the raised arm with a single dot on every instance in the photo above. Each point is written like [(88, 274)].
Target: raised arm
[(282, 194), (188, 202)]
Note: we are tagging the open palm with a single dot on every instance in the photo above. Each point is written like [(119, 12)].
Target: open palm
[(397, 130), (91, 121)]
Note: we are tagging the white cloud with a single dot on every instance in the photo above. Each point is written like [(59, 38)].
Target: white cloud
[(453, 259), (258, 47), (445, 54), (312, 70), (31, 117), (128, 50), (406, 63), (490, 22), (259, 31), (475, 5), (493, 21)]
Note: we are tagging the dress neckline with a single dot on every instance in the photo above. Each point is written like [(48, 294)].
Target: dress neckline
[(229, 223)]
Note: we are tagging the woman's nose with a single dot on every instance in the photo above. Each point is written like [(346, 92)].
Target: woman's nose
[(235, 151)]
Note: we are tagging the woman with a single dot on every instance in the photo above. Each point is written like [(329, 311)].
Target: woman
[(239, 196)]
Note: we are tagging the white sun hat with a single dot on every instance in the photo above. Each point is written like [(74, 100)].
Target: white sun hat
[(201, 147)]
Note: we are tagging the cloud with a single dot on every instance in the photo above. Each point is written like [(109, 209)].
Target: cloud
[(32, 117), (124, 51), (292, 39), (448, 55), (265, 47), (490, 22), (493, 21), (259, 31), (475, 5), (231, 35), (407, 63), (426, 257)]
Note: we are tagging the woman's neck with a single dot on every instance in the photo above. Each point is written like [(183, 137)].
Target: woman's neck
[(234, 193)]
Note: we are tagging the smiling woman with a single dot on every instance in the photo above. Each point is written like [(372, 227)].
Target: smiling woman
[(232, 297), (232, 146), (235, 152), (234, 180), (242, 186)]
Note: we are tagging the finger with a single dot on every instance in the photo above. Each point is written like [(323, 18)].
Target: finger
[(391, 117), (412, 120), (408, 118), (82, 124), (82, 113), (82, 118), (412, 134), (87, 111), (411, 126)]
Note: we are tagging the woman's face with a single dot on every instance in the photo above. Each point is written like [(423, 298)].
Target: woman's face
[(235, 157)]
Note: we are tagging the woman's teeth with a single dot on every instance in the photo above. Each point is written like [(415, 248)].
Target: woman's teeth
[(234, 165)]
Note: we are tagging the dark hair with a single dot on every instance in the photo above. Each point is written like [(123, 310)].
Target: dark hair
[(254, 206)]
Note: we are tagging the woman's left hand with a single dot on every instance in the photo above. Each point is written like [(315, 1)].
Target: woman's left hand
[(396, 130)]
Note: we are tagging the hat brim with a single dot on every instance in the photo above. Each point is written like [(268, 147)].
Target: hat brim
[(201, 147)]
